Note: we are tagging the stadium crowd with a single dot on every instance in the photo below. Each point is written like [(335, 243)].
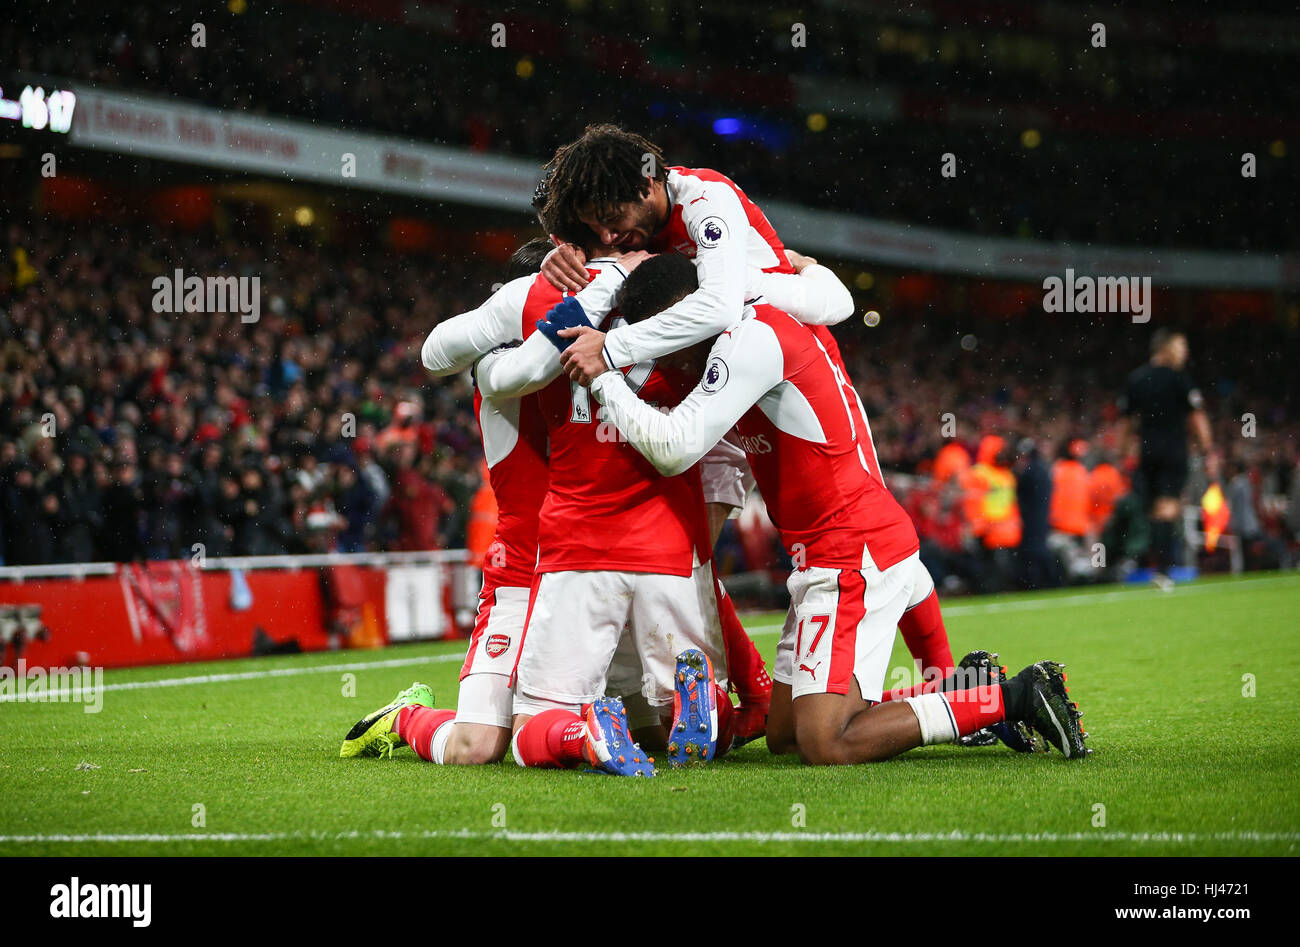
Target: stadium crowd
[(1015, 461), (316, 62), (130, 434)]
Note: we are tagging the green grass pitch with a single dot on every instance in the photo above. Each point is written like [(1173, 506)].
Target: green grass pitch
[(1184, 763)]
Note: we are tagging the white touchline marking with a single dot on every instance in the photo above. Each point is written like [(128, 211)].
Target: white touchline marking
[(241, 676), (762, 837)]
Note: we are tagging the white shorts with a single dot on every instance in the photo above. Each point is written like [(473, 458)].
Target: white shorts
[(923, 584), (725, 475), (577, 618), (625, 679), (486, 695), (841, 625)]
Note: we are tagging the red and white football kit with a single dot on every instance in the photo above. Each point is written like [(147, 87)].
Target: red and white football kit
[(515, 449), (514, 446), (713, 222), (737, 256), (619, 545), (800, 426)]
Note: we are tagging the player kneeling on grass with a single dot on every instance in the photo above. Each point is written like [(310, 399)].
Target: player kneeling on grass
[(771, 378), (616, 546), (598, 736)]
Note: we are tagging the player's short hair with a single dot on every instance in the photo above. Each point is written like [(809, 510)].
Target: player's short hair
[(1162, 337), (655, 285), (539, 194), (606, 166), (527, 259)]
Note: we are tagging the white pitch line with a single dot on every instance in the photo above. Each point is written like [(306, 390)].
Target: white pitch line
[(1182, 838), (241, 676)]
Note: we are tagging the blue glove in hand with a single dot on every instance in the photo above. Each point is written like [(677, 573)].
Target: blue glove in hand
[(569, 314)]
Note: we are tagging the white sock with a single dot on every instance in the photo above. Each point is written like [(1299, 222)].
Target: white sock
[(935, 716), (514, 748), (438, 745)]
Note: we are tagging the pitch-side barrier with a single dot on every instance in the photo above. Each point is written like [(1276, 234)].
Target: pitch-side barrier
[(125, 614)]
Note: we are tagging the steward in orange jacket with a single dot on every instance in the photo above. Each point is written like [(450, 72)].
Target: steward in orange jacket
[(990, 496), (1071, 499)]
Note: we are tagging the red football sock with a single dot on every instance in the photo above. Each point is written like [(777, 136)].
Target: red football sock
[(744, 664), (552, 739), (956, 680), (976, 708), (926, 638), (417, 725), (898, 693), (726, 719)]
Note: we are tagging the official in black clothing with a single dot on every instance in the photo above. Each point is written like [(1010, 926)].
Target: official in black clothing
[(1162, 399)]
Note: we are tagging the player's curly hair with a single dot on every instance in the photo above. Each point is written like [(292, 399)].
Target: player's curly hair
[(606, 166), (655, 285)]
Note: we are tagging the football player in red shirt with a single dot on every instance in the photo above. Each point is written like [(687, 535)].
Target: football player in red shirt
[(523, 402), (773, 380), (617, 185)]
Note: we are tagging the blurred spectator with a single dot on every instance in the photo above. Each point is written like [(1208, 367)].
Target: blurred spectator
[(952, 461), (359, 507), (121, 538), (261, 526), (991, 508), (167, 499), (416, 504), (1105, 486), (482, 526), (1261, 550), (204, 519), (80, 500), (1034, 496), (936, 511), (1293, 504), (1070, 515)]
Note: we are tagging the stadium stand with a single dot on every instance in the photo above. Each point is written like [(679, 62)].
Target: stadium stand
[(195, 428), (1057, 140), (184, 428)]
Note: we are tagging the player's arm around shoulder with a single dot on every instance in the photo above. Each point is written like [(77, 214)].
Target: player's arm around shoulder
[(744, 363), (456, 343), (716, 222), (597, 297), (813, 294), (513, 373)]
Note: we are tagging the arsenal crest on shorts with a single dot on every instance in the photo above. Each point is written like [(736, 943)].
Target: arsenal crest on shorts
[(497, 645)]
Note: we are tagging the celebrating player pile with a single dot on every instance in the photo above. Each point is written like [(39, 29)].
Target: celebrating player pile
[(602, 627)]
